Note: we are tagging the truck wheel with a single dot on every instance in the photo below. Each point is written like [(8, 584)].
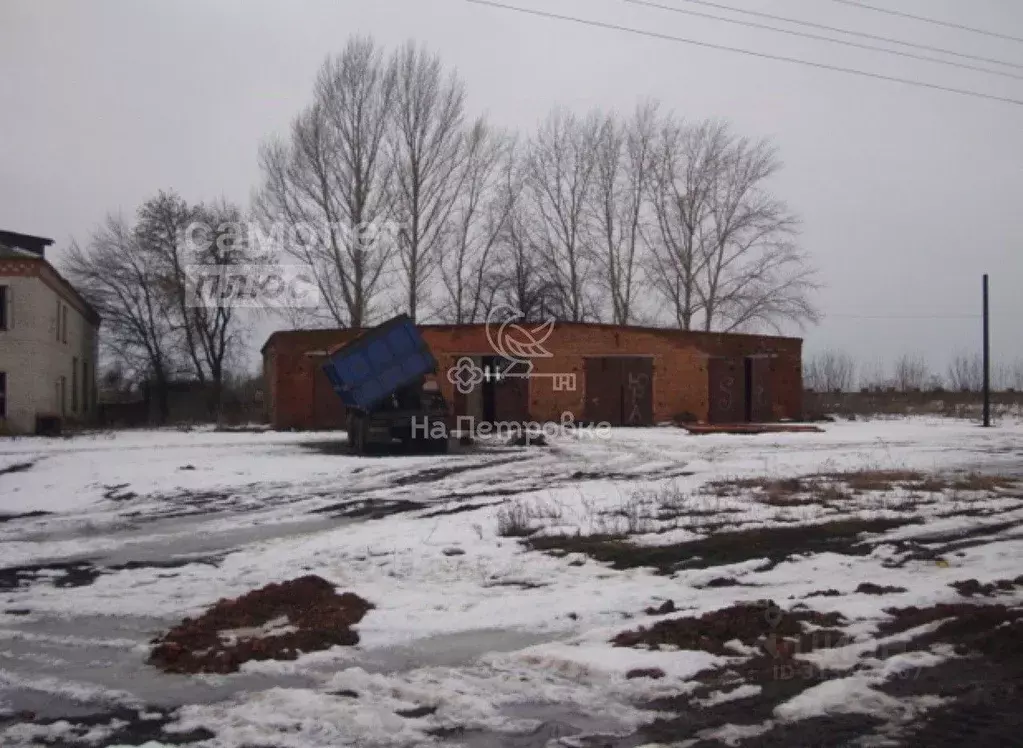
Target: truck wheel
[(356, 436)]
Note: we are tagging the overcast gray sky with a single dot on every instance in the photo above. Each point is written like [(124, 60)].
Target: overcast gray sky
[(907, 194)]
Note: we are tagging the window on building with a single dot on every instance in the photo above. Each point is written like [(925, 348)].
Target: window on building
[(5, 317), (74, 385), (57, 327), (62, 389), (64, 323), (3, 394)]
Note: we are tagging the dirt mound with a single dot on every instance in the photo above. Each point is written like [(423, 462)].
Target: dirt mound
[(775, 544), (993, 630), (276, 622), (869, 588), (981, 687), (748, 623), (971, 587)]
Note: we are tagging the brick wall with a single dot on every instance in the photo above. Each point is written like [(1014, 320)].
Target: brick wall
[(680, 382)]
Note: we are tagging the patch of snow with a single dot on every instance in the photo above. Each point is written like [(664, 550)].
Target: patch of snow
[(576, 661), (276, 627), (721, 697), (730, 734), (852, 695)]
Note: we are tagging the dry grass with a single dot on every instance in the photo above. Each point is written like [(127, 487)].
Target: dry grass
[(878, 480), (832, 492), (914, 480), (977, 482), (838, 487), (736, 486), (930, 484), (519, 519), (781, 492)]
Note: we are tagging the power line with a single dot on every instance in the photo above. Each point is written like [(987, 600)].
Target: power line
[(903, 316), (818, 37), (862, 34), (750, 53), (933, 21)]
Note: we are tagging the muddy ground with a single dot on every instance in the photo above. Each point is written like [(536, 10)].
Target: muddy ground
[(983, 685)]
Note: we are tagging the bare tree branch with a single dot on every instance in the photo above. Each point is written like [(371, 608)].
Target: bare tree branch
[(560, 169), (489, 191), (326, 198), (427, 148)]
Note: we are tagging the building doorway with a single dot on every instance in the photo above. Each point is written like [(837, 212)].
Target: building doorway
[(619, 390)]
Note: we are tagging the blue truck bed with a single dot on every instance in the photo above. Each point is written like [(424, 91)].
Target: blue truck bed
[(379, 362)]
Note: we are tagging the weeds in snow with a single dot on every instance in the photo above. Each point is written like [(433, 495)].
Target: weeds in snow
[(519, 519)]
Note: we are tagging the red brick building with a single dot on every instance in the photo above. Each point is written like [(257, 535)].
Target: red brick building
[(622, 375)]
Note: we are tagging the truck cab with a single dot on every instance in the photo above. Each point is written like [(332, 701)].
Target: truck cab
[(385, 378), (415, 416)]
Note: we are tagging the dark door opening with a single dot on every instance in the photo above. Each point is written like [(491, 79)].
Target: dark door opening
[(758, 389), (748, 389), (505, 395), (619, 390), (726, 390)]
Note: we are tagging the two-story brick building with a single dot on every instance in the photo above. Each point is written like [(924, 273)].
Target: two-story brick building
[(49, 337)]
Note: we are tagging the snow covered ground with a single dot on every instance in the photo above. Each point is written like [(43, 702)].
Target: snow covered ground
[(106, 540)]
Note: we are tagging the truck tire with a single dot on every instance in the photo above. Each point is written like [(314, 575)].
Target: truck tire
[(356, 435)]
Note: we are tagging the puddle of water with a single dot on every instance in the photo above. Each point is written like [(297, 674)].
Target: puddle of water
[(555, 721), (164, 540), (448, 650), (186, 539), (107, 653), (83, 657)]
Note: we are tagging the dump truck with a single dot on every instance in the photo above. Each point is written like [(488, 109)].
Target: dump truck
[(386, 379)]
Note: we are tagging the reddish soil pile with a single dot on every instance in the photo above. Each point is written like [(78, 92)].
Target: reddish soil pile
[(971, 587), (276, 622), (749, 623), (993, 630), (869, 588)]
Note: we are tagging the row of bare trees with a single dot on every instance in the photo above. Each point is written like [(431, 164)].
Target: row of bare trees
[(835, 371), (395, 199), (416, 206), (134, 272)]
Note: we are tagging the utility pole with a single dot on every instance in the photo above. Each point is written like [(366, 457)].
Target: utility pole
[(987, 359)]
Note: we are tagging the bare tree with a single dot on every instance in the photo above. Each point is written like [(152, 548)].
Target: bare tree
[(724, 252), (490, 187), (326, 197), (123, 284), (829, 371), (560, 172), (1015, 375), (206, 332), (217, 329), (755, 273), (517, 279), (911, 373), (161, 237), (426, 145), (681, 194), (624, 165), (874, 376), (966, 373)]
